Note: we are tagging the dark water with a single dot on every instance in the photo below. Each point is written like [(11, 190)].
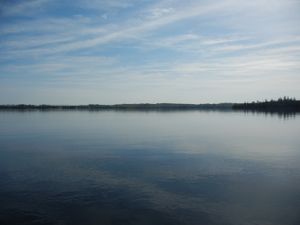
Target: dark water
[(194, 168)]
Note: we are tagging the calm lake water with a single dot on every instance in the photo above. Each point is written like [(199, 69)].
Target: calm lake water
[(194, 168)]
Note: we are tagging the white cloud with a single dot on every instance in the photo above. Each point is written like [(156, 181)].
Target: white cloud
[(159, 12)]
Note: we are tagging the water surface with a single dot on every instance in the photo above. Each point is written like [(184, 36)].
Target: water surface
[(192, 167)]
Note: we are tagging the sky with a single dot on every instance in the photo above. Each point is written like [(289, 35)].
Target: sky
[(138, 51)]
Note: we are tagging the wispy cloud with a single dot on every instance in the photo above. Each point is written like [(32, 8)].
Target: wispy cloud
[(131, 29), (21, 8)]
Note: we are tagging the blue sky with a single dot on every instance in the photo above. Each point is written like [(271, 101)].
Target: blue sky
[(133, 51)]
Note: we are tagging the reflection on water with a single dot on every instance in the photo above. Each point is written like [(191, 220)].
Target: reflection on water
[(149, 168), (280, 114)]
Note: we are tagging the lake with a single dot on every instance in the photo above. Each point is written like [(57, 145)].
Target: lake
[(181, 167)]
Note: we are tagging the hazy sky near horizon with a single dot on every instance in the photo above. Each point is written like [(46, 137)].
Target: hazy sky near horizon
[(133, 51)]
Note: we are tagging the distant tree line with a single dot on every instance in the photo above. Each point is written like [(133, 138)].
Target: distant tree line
[(284, 104), (143, 106), (281, 104)]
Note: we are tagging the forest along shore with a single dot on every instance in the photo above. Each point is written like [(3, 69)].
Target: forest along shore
[(280, 105)]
